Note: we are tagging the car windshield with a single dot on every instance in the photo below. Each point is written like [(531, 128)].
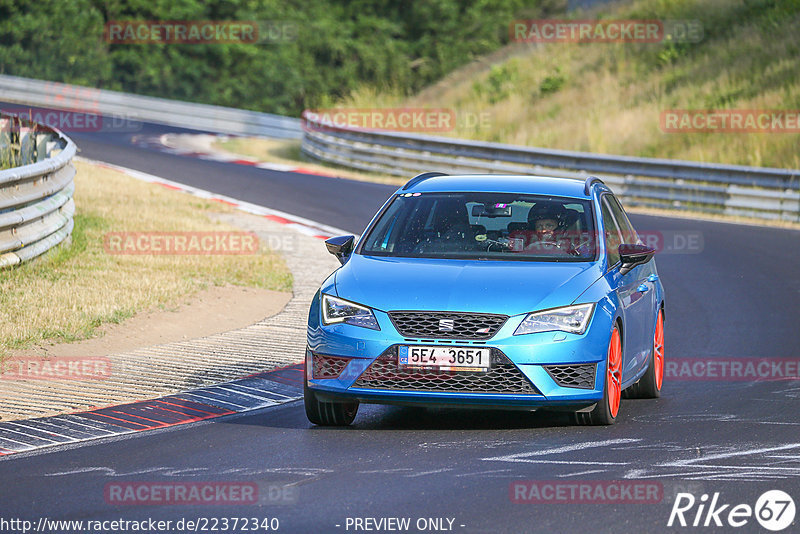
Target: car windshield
[(490, 226)]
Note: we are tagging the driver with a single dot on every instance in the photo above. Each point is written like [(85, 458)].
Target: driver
[(545, 223), (545, 229)]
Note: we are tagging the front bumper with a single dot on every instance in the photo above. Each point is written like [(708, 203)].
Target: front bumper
[(532, 355)]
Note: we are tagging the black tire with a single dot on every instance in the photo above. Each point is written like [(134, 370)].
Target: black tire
[(647, 387), (328, 413), (601, 414)]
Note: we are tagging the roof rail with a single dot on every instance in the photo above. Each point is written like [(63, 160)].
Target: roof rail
[(421, 178), (589, 182)]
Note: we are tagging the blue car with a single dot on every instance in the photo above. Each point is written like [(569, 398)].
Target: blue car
[(485, 291)]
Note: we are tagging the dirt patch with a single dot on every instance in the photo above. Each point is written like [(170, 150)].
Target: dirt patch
[(211, 311)]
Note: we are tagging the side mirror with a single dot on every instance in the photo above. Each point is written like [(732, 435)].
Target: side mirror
[(341, 247), (633, 255)]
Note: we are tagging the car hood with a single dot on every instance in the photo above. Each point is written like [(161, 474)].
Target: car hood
[(504, 287)]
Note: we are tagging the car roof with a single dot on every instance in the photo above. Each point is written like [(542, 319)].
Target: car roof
[(497, 183)]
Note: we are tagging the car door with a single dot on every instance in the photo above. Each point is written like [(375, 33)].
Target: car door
[(649, 275), (630, 289)]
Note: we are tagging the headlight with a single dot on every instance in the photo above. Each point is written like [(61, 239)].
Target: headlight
[(336, 310), (573, 319)]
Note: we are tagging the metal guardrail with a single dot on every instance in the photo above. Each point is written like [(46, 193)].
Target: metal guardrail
[(36, 206), (704, 187), (148, 109)]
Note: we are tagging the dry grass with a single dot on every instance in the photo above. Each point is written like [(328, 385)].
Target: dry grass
[(67, 295), (272, 150), (608, 98)]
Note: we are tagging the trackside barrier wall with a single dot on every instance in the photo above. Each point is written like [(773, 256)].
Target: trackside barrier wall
[(660, 183), (36, 206), (132, 107)]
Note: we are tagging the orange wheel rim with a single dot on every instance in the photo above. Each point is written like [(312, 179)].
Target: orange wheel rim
[(614, 372), (658, 351)]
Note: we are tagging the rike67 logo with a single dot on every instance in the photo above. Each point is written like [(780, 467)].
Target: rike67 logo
[(774, 510)]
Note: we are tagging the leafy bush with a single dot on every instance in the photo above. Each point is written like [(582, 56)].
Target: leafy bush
[(552, 84)]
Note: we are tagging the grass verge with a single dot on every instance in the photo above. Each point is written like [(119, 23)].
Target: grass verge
[(66, 295)]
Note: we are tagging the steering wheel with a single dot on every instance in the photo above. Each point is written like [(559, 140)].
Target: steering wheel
[(483, 240), (550, 244)]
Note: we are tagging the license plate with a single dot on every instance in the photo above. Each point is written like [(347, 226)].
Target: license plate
[(445, 358)]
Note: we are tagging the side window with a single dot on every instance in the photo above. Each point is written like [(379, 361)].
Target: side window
[(612, 234), (629, 234)]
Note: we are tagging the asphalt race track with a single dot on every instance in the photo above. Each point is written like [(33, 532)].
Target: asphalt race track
[(734, 296)]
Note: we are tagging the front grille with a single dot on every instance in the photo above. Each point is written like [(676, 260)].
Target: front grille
[(446, 325), (573, 376), (328, 366), (502, 377)]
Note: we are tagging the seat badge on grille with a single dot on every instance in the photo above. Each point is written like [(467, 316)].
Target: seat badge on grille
[(446, 325)]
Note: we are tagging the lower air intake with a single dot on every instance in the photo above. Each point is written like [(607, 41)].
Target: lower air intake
[(503, 377), (573, 376), (328, 366)]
